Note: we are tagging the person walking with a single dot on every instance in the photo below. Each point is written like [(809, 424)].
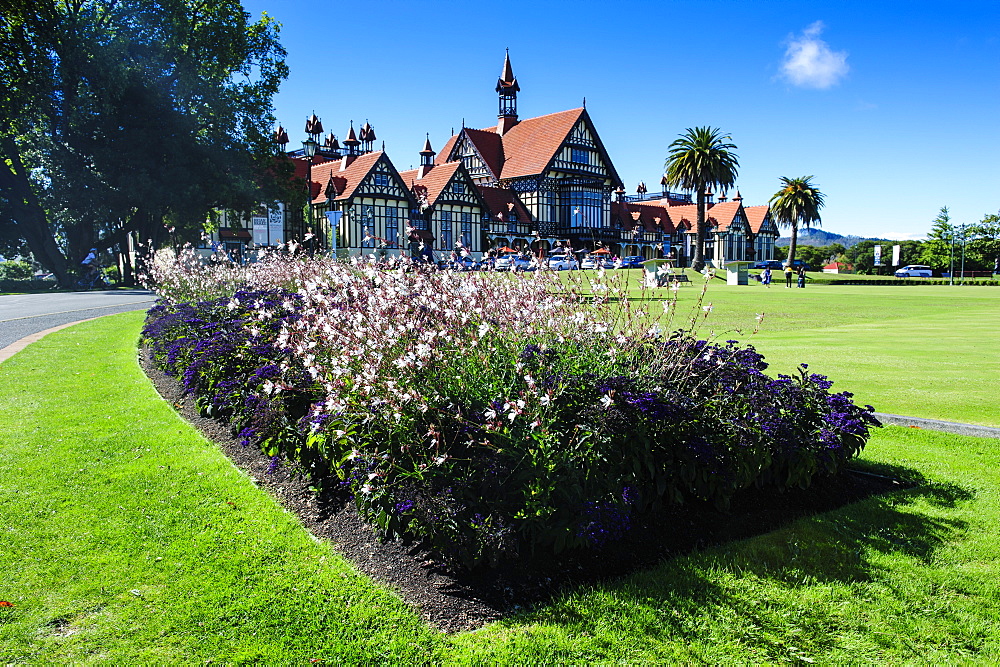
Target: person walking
[(765, 278), (802, 276), (788, 275)]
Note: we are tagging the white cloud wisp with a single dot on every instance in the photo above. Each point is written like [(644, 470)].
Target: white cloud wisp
[(811, 63)]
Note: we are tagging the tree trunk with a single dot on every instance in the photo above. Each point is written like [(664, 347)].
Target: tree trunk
[(28, 214), (794, 240), (698, 261)]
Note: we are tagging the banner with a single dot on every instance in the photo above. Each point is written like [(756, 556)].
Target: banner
[(259, 219), (276, 225), (895, 255), (878, 255)]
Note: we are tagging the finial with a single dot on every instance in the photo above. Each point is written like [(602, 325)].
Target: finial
[(585, 102), (383, 145)]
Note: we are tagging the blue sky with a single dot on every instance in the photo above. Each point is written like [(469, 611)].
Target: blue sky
[(893, 107)]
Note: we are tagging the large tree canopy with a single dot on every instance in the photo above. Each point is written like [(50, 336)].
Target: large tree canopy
[(700, 159), (796, 204), (125, 116)]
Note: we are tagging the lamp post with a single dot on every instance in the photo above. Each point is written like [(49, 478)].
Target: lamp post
[(951, 257), (962, 227), (309, 148)]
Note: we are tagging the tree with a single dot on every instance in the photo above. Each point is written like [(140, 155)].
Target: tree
[(938, 248), (984, 249), (797, 203), (128, 116), (698, 160)]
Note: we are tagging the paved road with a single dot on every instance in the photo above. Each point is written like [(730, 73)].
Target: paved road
[(25, 314)]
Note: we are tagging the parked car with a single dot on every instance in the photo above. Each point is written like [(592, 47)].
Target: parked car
[(563, 262), (773, 264), (632, 262), (590, 262), (512, 262), (465, 263), (914, 271)]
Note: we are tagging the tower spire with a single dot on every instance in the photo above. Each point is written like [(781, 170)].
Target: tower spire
[(507, 88)]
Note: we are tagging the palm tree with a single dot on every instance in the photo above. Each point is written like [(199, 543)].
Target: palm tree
[(797, 203), (700, 159)]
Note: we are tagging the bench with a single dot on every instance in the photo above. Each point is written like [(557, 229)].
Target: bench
[(667, 278)]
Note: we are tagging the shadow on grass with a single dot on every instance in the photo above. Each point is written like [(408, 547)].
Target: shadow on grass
[(843, 544)]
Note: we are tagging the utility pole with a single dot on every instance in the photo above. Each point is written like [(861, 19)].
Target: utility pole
[(951, 262), (963, 254)]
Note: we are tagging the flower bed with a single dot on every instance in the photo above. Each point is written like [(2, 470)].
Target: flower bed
[(492, 416)]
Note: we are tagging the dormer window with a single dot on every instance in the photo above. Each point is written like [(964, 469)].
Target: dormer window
[(382, 180), (580, 155), (458, 188)]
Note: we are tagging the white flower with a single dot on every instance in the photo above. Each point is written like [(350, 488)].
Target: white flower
[(606, 401), (483, 329), (438, 460), (366, 489)]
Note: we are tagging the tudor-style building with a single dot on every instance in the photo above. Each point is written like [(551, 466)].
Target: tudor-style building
[(525, 184)]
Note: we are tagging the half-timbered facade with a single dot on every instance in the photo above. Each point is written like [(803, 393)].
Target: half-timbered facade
[(522, 183)]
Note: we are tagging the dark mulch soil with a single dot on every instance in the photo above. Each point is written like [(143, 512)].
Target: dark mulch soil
[(458, 601)]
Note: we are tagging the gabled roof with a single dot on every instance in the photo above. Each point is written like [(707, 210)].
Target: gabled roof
[(502, 200), (756, 216), (345, 180), (652, 217), (435, 180), (527, 148), (688, 214), (724, 213), (487, 143), (530, 145)]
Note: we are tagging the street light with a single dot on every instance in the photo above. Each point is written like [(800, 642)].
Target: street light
[(309, 148)]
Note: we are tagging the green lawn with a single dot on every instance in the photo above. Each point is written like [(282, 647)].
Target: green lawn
[(128, 537), (921, 351)]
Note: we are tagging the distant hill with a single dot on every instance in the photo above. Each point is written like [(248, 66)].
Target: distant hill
[(820, 238)]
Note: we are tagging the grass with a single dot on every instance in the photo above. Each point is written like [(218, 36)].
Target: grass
[(128, 537), (920, 351)]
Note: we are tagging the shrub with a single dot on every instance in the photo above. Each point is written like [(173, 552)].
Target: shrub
[(492, 416), (15, 271)]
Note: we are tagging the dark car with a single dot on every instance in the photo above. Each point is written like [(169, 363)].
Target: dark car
[(632, 262), (773, 264)]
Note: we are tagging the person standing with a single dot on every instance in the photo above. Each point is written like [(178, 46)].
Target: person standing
[(765, 277), (802, 276), (788, 275)]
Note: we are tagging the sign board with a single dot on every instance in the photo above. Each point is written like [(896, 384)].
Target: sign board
[(878, 255), (895, 255)]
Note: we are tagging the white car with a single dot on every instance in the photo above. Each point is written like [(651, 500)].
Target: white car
[(589, 263), (914, 271), (563, 262), (512, 262)]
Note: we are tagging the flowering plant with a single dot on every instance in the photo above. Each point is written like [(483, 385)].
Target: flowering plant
[(490, 415)]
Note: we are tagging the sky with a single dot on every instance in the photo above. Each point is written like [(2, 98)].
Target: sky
[(892, 107)]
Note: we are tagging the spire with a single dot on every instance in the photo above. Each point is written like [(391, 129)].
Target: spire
[(738, 196), (427, 153), (507, 88), (314, 127), (351, 142), (367, 137), (281, 137)]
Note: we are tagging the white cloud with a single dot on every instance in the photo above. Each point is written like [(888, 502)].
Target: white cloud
[(811, 63)]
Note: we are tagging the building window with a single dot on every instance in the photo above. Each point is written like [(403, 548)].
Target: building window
[(381, 180), (467, 230), (580, 155), (458, 188), (417, 219), (582, 208), (446, 230), (391, 226), (368, 226)]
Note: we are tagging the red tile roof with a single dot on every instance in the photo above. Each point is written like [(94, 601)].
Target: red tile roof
[(530, 145), (652, 217), (345, 180), (526, 149), (688, 214), (435, 180), (724, 213), (756, 216), (502, 200)]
